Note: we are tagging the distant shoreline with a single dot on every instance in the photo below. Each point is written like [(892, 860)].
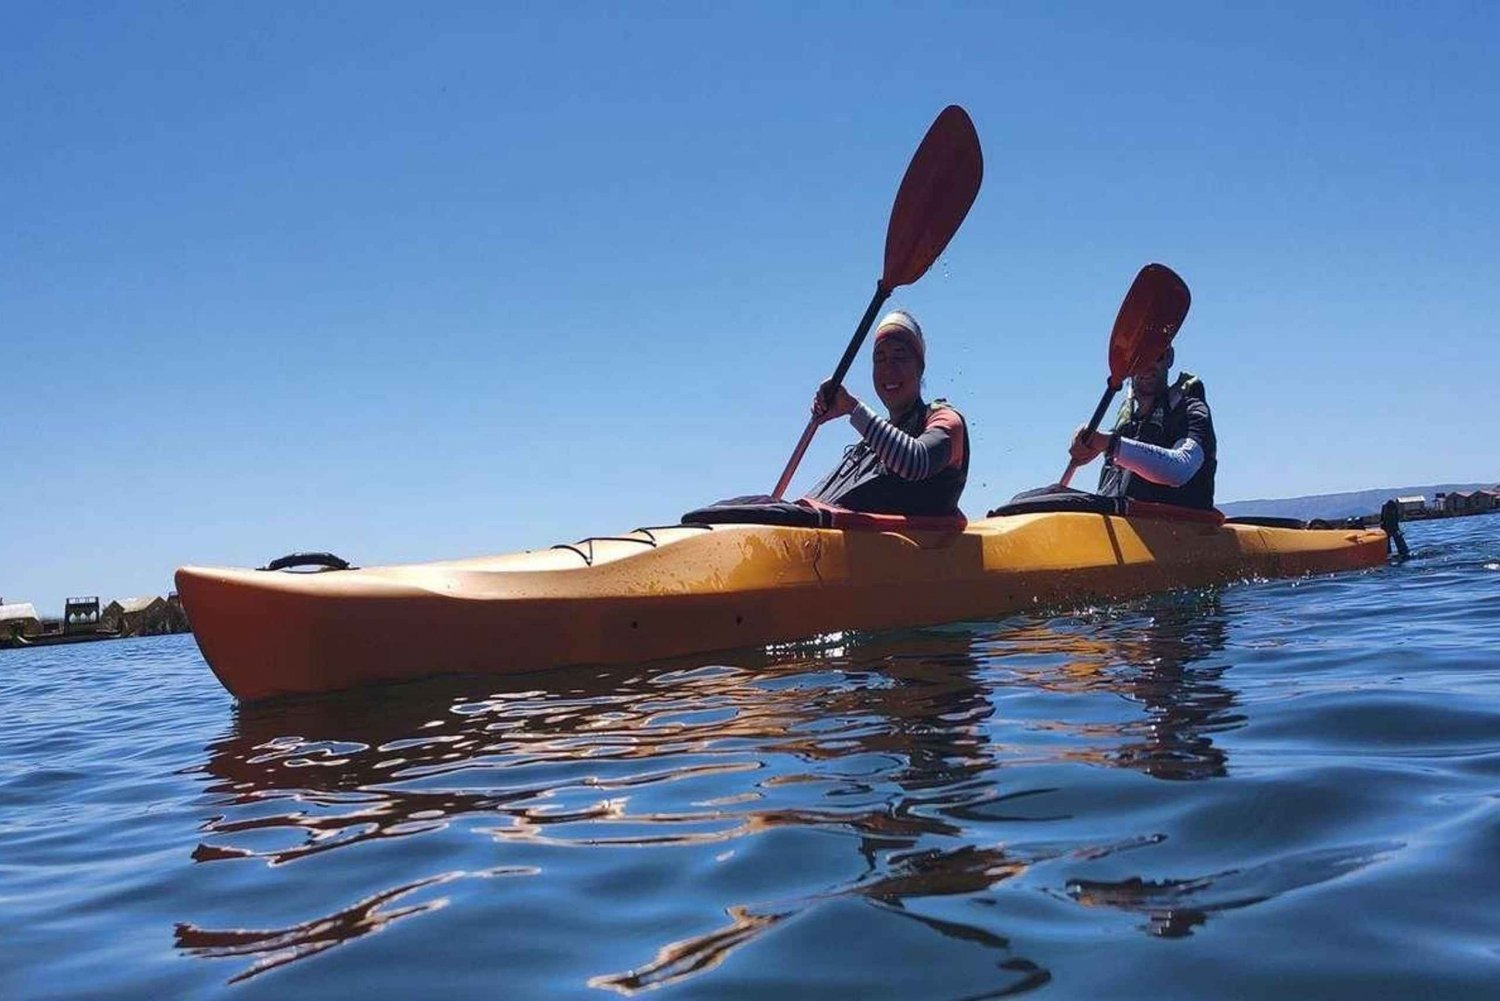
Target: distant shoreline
[(83, 621), (1353, 503)]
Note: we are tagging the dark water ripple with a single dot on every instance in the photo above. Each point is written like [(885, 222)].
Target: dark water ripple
[(1286, 788)]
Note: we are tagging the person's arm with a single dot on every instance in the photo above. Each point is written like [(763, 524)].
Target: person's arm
[(1170, 467), (911, 458)]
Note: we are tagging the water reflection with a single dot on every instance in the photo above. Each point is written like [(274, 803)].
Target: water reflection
[(891, 742), (1174, 907), (269, 949), (1164, 656)]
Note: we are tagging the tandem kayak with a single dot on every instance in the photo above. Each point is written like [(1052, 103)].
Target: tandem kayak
[(663, 592)]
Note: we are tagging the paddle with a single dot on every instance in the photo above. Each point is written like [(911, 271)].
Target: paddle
[(941, 183), (1153, 309)]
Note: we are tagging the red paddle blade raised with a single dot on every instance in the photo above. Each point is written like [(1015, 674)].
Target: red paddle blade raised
[(1153, 310), (941, 183)]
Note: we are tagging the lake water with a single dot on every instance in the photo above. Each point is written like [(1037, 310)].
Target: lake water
[(1285, 789)]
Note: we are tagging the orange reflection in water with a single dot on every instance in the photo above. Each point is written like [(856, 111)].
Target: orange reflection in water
[(277, 947), (564, 760)]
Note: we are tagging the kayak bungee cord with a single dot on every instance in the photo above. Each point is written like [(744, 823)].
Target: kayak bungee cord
[(650, 540)]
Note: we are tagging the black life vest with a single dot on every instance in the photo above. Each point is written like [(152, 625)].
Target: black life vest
[(862, 483), (1165, 425)]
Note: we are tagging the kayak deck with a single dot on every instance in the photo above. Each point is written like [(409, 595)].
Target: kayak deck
[(664, 592)]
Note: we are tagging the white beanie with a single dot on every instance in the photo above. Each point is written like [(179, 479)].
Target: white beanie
[(898, 320)]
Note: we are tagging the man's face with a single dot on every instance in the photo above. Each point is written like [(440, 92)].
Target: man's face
[(1150, 378)]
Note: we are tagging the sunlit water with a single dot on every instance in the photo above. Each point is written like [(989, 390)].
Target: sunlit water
[(1286, 789)]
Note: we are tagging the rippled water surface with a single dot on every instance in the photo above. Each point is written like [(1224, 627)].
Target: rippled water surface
[(1285, 789)]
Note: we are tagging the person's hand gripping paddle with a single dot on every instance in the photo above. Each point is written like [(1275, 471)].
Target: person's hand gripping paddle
[(941, 183)]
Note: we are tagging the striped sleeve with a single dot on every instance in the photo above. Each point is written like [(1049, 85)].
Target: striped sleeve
[(939, 446)]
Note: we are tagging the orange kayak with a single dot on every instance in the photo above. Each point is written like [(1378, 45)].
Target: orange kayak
[(664, 592)]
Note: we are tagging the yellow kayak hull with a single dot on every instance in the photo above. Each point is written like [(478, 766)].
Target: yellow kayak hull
[(665, 592)]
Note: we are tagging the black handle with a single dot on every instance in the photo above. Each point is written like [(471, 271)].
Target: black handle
[(326, 561)]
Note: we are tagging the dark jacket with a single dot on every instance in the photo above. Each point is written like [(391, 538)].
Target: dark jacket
[(1181, 412), (861, 481)]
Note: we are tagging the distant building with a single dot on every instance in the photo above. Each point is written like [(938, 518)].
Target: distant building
[(1412, 505), (1469, 502), (174, 603), (18, 619), (148, 616), (80, 615)]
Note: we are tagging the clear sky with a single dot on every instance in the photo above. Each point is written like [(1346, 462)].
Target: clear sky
[(416, 281)]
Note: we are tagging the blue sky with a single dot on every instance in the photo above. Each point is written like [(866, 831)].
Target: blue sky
[(412, 281)]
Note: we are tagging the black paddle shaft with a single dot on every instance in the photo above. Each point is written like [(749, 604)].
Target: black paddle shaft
[(831, 386), (1109, 394), (1104, 402), (857, 341)]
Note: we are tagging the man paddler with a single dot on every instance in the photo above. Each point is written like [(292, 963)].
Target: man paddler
[(1163, 447)]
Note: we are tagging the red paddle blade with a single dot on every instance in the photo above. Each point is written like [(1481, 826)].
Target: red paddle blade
[(1153, 309), (941, 183)]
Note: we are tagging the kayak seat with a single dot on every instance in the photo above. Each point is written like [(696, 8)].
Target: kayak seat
[(1047, 499), (759, 509), (1265, 521)]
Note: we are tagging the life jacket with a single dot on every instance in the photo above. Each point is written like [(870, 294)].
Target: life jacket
[(1165, 425), (860, 482)]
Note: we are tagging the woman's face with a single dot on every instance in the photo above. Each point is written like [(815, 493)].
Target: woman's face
[(898, 373)]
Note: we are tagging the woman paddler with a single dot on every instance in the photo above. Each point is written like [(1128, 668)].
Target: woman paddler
[(914, 461)]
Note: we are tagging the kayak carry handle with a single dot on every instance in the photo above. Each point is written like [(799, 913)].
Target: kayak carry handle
[(324, 561)]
